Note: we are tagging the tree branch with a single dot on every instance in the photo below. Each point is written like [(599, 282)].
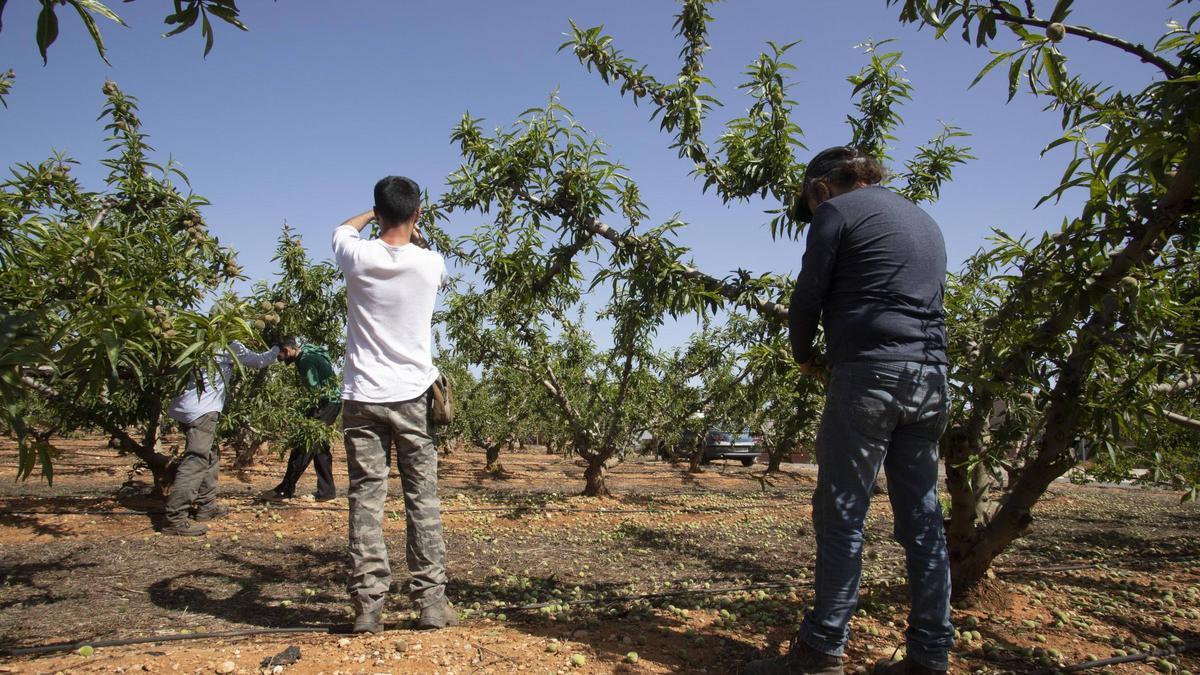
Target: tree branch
[(155, 459), (1184, 384), (1140, 51), (734, 292), (1145, 242), (552, 385), (1186, 422), (562, 258)]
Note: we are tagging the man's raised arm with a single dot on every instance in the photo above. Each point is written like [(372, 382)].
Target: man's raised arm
[(361, 220), (251, 359)]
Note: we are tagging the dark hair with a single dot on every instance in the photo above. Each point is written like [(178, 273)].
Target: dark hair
[(396, 200), (845, 167)]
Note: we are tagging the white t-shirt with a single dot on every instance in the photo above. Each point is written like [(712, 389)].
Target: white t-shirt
[(390, 294)]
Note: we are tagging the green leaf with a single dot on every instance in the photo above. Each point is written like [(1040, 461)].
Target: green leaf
[(43, 449), (228, 14), (992, 64), (207, 31), (93, 30), (1052, 61), (191, 349), (99, 8), (1014, 75), (47, 28), (1061, 10)]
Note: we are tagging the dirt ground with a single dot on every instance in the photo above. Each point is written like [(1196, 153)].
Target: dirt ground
[(676, 573)]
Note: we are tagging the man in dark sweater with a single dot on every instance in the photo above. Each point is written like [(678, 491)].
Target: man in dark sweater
[(873, 272), (317, 375)]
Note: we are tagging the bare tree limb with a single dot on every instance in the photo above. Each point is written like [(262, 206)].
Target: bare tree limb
[(1186, 422), (1184, 384)]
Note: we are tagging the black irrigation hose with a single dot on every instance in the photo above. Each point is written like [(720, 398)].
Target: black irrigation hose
[(1116, 660), (248, 632)]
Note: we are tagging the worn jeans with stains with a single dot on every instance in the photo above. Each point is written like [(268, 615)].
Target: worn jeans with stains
[(888, 414)]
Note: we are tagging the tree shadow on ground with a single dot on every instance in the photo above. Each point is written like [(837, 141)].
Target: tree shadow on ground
[(600, 617), (743, 563), (23, 586), (237, 590), (1088, 544)]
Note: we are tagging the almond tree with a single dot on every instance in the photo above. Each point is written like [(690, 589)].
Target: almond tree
[(548, 186), (702, 386), (307, 300), (100, 296), (786, 405), (1073, 337), (599, 395), (497, 410)]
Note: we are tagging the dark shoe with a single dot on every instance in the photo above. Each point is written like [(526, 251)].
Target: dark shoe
[(274, 495), (212, 513), (325, 498), (369, 622), (438, 615), (800, 660), (185, 529), (905, 667)]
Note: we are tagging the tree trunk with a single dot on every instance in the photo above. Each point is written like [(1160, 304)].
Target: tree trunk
[(493, 457), (1052, 456), (246, 443), (162, 467), (773, 462), (595, 475), (694, 461)]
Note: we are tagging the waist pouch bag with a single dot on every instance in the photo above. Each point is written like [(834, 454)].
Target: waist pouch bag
[(441, 403)]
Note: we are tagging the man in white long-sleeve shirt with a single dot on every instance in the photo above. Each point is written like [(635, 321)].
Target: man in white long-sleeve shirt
[(197, 410)]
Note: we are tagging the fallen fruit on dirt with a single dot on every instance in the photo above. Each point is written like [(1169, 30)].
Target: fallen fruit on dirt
[(86, 650)]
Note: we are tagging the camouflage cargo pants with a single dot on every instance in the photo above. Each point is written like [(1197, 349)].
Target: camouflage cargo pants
[(370, 430), (196, 479)]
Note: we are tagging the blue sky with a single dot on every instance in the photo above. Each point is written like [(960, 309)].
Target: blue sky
[(295, 120)]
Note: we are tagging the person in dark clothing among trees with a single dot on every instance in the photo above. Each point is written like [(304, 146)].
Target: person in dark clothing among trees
[(873, 274), (317, 375)]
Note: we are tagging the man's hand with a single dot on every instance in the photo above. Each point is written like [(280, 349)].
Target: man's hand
[(361, 220), (418, 238), (816, 367)]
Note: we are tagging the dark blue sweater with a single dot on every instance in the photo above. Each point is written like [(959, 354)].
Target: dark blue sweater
[(874, 271)]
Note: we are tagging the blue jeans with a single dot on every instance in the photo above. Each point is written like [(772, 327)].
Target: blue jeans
[(890, 414)]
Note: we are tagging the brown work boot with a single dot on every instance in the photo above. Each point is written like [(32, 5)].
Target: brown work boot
[(438, 615), (212, 513), (801, 659), (905, 667), (369, 621), (185, 529)]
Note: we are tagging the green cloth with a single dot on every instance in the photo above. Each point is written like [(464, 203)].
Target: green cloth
[(317, 373)]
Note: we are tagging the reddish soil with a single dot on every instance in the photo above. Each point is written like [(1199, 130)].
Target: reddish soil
[(81, 561)]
